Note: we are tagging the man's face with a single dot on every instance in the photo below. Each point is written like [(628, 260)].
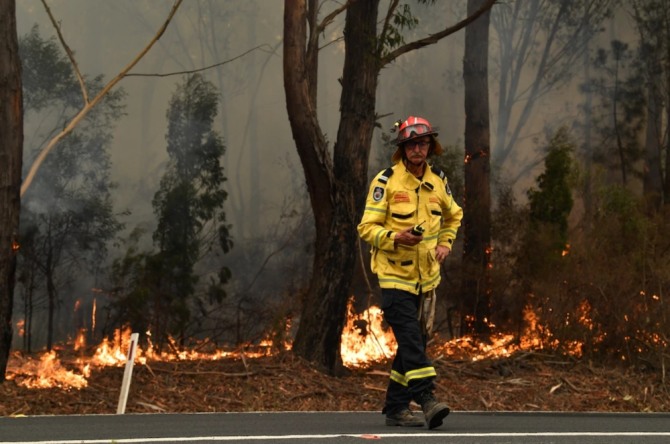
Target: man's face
[(416, 150)]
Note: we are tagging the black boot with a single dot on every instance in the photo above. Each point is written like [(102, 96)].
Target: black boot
[(403, 418), (433, 411)]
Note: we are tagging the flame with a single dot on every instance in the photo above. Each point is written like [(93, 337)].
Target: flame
[(584, 311), (566, 250), (365, 339), (45, 373), (535, 336), (93, 313), (468, 348), (80, 340)]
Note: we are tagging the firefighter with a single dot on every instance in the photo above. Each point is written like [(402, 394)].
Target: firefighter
[(410, 221)]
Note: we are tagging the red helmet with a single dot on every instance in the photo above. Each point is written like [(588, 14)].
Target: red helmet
[(412, 128)]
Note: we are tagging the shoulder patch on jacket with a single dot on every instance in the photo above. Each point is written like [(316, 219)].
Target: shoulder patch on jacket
[(443, 176), (378, 194), (438, 171), (388, 172)]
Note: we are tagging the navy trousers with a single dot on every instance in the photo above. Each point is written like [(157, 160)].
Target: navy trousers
[(412, 373)]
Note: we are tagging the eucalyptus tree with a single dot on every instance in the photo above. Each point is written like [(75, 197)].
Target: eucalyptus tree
[(160, 289), (337, 179), (11, 153), (551, 201), (652, 20), (475, 283), (67, 214)]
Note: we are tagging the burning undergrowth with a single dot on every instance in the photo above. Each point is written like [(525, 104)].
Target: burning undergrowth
[(505, 372), (366, 341)]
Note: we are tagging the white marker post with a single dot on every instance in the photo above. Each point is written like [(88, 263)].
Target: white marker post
[(127, 374)]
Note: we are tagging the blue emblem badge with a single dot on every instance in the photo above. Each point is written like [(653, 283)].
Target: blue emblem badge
[(378, 194)]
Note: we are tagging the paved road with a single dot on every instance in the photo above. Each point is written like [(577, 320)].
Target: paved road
[(337, 427)]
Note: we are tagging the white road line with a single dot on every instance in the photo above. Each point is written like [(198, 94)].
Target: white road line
[(348, 435)]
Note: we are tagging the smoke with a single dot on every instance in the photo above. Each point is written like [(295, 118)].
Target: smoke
[(265, 182)]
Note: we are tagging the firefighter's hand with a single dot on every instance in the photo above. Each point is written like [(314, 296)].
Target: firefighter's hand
[(405, 237), (441, 253)]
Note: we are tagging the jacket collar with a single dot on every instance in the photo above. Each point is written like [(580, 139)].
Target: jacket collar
[(411, 182)]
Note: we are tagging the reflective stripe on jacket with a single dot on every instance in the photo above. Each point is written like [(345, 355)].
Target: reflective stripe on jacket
[(397, 200)]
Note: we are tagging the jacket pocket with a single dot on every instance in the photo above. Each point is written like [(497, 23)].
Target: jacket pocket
[(403, 215), (401, 266), (432, 265), (434, 215)]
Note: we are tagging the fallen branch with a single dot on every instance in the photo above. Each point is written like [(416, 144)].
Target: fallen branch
[(572, 386), (372, 387), (150, 406)]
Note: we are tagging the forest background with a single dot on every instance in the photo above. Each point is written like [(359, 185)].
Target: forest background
[(588, 129)]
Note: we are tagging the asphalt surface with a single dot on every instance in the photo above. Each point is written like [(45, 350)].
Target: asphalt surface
[(337, 427)]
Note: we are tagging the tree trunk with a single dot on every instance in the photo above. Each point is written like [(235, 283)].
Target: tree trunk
[(51, 311), (652, 181), (28, 311), (11, 153), (337, 189), (588, 136), (477, 199)]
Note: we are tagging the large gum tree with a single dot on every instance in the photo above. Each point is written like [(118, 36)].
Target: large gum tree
[(11, 153)]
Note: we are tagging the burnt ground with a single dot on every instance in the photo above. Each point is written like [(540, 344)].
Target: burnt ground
[(525, 381)]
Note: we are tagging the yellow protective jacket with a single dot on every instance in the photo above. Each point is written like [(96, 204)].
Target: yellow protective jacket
[(398, 200)]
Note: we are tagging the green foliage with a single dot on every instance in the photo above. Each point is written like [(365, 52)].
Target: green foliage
[(619, 211), (551, 202), (47, 74), (610, 298), (133, 286), (74, 185), (651, 18), (509, 225), (159, 290), (604, 300), (529, 243), (402, 19), (67, 214)]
